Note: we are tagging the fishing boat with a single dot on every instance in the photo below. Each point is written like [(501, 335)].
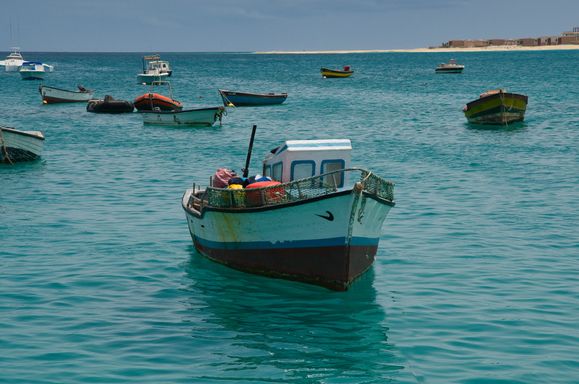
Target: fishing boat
[(109, 105), (52, 95), (316, 220), (196, 117), (154, 69), (336, 73), (32, 70), (244, 99), (13, 61), (16, 145), (451, 67), (152, 101), (496, 107)]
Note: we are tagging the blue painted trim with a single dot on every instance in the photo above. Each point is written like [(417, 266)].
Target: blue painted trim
[(281, 150), (298, 162), (332, 242), (341, 161)]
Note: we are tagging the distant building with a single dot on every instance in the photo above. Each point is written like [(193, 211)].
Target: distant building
[(570, 37), (528, 42)]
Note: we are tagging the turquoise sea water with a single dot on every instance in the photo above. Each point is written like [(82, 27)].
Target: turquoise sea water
[(477, 273)]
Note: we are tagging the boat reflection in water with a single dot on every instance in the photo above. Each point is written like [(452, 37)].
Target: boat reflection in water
[(250, 327)]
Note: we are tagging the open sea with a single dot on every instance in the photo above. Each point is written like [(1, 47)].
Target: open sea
[(477, 273)]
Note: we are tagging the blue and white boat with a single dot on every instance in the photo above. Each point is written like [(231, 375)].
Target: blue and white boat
[(33, 70), (320, 223), (241, 99)]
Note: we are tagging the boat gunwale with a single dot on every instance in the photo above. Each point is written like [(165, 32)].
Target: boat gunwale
[(201, 214), (219, 108), (324, 69), (264, 95), (265, 207), (64, 90), (480, 100), (23, 133)]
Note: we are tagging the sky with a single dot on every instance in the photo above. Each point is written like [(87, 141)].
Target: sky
[(264, 25)]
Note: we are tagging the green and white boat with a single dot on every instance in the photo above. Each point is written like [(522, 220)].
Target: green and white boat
[(496, 107)]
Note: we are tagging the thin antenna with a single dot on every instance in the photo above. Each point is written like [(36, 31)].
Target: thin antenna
[(248, 158)]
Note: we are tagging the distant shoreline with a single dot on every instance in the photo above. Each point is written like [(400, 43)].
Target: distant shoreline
[(506, 48)]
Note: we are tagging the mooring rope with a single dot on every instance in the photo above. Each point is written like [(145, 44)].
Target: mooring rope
[(4, 149)]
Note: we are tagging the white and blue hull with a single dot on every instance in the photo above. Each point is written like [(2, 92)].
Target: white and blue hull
[(328, 240), (196, 117)]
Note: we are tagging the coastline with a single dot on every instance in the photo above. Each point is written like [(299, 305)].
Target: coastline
[(497, 48)]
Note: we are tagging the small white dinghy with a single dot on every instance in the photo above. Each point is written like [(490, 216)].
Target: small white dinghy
[(16, 145), (197, 117)]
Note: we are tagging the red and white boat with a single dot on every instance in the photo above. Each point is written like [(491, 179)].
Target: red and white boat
[(156, 102), (51, 95), (320, 224)]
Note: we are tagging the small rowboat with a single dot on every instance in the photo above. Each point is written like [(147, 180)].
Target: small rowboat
[(51, 95), (16, 145), (195, 117), (244, 99), (156, 101), (496, 107), (109, 105), (335, 73)]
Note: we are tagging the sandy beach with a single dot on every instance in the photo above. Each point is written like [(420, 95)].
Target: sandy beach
[(431, 50)]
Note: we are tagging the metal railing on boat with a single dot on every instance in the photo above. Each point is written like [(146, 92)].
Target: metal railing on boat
[(297, 190)]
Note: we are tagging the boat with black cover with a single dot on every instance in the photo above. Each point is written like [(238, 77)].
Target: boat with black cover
[(109, 105)]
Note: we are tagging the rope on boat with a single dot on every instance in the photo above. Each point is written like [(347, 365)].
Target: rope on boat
[(4, 149), (229, 103)]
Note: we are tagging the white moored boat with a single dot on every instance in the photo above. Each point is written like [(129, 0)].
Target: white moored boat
[(321, 225), (13, 61), (32, 70), (51, 95), (451, 67), (154, 70), (199, 117), (16, 145)]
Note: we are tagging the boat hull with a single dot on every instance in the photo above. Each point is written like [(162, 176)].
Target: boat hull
[(16, 145), (497, 109), (109, 106), (449, 70), (51, 95), (144, 78), (32, 75), (333, 73), (204, 117), (328, 241), (242, 99)]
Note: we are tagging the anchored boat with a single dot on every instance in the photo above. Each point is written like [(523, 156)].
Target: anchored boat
[(32, 70), (109, 105), (154, 69), (336, 73), (205, 117), (496, 107), (244, 99), (13, 61), (51, 95), (152, 101), (16, 145), (451, 67), (317, 221)]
